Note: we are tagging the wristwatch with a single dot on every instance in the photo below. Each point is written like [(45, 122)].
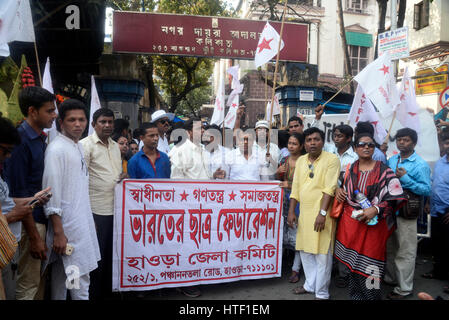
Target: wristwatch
[(323, 212)]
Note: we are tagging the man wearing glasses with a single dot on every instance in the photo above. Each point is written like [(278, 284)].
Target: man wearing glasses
[(314, 184)]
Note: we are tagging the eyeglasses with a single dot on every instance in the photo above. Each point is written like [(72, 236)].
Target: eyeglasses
[(164, 121), (370, 145), (311, 175), (6, 150)]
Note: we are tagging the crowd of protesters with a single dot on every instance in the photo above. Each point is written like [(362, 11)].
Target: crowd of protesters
[(73, 179)]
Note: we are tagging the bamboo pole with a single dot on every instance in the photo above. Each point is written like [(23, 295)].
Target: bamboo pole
[(275, 76), (391, 126), (38, 64)]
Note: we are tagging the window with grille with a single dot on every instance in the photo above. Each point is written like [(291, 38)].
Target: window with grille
[(421, 15), (359, 58), (358, 6)]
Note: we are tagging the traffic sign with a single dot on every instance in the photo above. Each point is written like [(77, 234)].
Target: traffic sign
[(444, 98)]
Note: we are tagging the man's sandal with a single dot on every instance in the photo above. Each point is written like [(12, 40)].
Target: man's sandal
[(300, 290)]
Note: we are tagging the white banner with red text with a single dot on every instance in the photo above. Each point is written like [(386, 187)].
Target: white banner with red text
[(174, 233)]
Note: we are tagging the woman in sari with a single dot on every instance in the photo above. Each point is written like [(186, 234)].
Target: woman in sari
[(361, 241), (285, 174)]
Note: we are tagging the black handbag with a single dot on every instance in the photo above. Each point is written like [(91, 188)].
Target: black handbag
[(413, 207)]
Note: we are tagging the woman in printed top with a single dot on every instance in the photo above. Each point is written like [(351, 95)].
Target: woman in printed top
[(361, 241), (285, 173)]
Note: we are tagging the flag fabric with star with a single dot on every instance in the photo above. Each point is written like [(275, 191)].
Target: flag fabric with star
[(16, 23), (229, 121), (236, 86), (94, 103), (219, 107), (48, 85), (378, 84), (268, 45), (363, 110), (407, 110)]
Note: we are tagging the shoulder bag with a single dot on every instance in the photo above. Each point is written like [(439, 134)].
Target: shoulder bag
[(337, 206), (8, 242)]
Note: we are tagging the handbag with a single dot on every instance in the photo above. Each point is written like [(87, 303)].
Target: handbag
[(412, 208), (8, 243), (337, 206)]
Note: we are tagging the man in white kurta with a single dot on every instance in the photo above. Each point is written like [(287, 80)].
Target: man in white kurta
[(66, 172)]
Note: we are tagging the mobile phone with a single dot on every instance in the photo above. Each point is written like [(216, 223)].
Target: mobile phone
[(34, 202)]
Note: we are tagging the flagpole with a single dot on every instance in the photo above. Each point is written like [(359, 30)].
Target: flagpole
[(274, 77), (391, 126), (266, 84), (347, 83)]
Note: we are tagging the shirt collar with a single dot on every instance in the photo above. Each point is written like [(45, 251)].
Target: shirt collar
[(97, 139), (411, 158), (142, 154), (349, 152), (31, 133)]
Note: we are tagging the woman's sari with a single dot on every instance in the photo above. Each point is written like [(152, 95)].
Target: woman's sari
[(362, 247)]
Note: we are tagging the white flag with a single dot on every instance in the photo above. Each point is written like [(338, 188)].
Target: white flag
[(16, 22), (276, 109), (48, 85), (219, 108), (229, 121), (94, 103), (407, 110), (363, 110), (378, 84), (236, 86), (268, 45)]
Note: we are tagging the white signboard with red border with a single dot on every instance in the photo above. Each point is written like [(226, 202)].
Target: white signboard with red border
[(173, 233)]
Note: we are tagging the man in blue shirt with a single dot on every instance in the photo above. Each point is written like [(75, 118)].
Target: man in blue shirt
[(149, 163), (414, 175), (439, 212), (23, 172)]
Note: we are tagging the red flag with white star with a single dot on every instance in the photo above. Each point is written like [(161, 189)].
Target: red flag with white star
[(268, 45), (407, 110), (377, 81)]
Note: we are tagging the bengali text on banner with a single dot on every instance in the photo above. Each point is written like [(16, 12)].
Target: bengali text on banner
[(173, 233)]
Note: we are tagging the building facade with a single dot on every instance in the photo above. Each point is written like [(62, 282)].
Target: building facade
[(324, 72)]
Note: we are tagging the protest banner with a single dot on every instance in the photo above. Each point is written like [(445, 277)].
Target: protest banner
[(174, 233)]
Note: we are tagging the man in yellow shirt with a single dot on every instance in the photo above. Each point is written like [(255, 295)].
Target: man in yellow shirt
[(314, 184), (103, 159)]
